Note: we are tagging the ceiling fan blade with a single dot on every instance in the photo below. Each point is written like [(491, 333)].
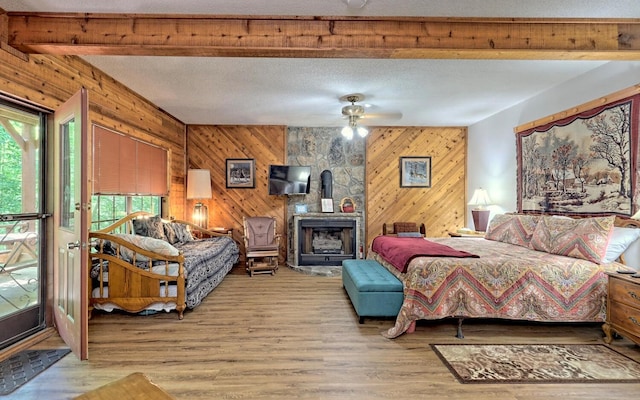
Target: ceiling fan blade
[(391, 116)]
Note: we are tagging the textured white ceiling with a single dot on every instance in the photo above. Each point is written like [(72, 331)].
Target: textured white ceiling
[(306, 92)]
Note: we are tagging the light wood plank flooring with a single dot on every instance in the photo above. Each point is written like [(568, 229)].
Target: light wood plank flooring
[(294, 336)]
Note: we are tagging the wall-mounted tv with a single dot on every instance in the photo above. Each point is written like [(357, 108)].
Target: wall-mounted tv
[(289, 179)]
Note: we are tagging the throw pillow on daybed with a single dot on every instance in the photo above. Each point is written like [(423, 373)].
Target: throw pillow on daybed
[(151, 227), (584, 238), (512, 229), (158, 246), (177, 233)]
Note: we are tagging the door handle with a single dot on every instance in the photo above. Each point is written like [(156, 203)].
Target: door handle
[(73, 245)]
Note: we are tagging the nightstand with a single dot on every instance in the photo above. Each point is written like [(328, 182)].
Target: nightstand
[(623, 307), (226, 231), (202, 235)]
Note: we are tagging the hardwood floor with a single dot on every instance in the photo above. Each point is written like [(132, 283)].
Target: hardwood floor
[(295, 336)]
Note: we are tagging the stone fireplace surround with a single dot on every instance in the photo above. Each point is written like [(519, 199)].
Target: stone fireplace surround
[(326, 149)]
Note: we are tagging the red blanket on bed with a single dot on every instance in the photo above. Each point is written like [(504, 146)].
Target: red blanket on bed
[(399, 251)]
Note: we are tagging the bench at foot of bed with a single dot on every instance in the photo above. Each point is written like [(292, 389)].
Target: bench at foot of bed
[(373, 291)]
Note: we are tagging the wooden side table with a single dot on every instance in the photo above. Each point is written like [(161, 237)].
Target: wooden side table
[(623, 308), (226, 231), (202, 235)]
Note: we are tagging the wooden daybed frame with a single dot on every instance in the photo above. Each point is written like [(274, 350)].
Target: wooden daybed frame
[(129, 287)]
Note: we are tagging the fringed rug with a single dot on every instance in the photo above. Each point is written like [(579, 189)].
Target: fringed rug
[(18, 369), (537, 363)]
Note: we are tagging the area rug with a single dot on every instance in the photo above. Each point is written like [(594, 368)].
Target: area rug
[(18, 369), (537, 363)]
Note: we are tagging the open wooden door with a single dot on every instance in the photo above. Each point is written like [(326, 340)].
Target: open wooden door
[(71, 216)]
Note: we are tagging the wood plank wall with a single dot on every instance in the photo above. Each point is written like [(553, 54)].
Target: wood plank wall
[(209, 146), (441, 207), (50, 80)]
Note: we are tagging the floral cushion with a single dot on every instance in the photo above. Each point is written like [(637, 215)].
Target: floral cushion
[(585, 238), (512, 229)]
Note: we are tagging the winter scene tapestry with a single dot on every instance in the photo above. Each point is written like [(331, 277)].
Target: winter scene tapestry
[(581, 164)]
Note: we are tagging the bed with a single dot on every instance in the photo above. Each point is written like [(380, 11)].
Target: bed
[(143, 264), (535, 268)]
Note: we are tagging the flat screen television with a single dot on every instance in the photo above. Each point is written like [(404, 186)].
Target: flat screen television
[(289, 179)]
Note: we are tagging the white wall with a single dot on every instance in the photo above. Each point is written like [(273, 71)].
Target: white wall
[(492, 143)]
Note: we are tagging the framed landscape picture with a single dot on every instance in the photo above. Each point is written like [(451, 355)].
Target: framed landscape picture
[(415, 172), (241, 173)]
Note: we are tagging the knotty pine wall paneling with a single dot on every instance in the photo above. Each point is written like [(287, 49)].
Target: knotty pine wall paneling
[(442, 207), (209, 146), (48, 81)]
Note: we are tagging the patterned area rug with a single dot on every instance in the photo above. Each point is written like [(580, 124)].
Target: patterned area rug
[(472, 363), (17, 370)]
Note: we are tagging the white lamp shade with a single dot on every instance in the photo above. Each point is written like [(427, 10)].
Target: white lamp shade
[(347, 132), (198, 184), (480, 198), (362, 131)]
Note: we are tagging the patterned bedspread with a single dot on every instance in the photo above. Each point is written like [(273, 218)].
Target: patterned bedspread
[(206, 263), (506, 281)]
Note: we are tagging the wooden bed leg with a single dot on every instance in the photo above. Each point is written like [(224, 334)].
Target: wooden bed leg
[(459, 334), (412, 327)]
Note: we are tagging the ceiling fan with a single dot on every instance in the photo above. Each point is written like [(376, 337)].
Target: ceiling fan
[(354, 112)]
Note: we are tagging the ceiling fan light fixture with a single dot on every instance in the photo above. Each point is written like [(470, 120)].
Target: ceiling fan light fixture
[(347, 132), (362, 131)]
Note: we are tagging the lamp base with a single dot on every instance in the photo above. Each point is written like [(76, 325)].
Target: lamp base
[(201, 215), (480, 219)]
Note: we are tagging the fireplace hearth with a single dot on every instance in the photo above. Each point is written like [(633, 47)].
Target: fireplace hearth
[(325, 240)]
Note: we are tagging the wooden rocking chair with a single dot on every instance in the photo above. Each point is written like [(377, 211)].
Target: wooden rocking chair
[(262, 245)]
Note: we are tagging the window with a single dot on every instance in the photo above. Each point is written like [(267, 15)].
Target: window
[(107, 209), (128, 175)]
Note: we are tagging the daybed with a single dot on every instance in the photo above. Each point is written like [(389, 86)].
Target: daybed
[(142, 262), (535, 268)]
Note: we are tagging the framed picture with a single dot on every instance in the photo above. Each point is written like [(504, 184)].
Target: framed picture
[(326, 205), (415, 172), (241, 173)]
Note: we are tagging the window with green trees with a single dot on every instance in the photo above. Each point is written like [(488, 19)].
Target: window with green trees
[(107, 209)]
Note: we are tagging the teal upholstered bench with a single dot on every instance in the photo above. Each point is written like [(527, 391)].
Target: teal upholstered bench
[(373, 291)]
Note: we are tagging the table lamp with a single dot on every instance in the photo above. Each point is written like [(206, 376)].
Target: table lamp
[(480, 200), (198, 188)]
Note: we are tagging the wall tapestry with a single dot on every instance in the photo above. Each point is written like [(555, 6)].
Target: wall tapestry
[(581, 164)]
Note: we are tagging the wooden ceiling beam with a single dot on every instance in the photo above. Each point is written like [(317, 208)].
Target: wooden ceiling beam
[(338, 37)]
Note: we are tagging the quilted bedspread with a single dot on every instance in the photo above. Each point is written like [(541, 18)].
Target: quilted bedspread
[(506, 281), (206, 263)]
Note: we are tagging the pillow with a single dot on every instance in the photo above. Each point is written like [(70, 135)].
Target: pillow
[(169, 232), (404, 227), (183, 234), (512, 229), (409, 234), (584, 238), (151, 227), (157, 246), (621, 239)]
